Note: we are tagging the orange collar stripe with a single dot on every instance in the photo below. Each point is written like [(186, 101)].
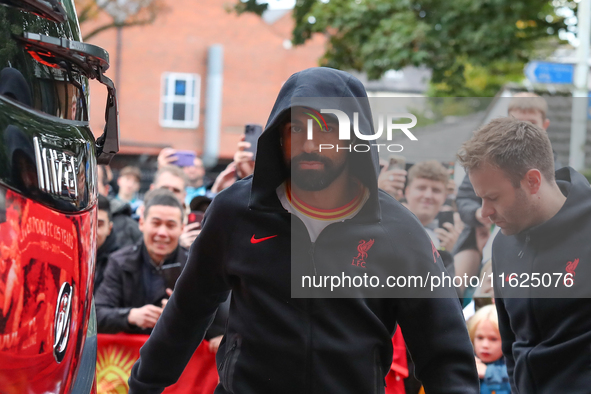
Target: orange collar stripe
[(318, 210), (326, 214)]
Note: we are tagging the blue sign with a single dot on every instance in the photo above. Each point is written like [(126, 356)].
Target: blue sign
[(545, 72)]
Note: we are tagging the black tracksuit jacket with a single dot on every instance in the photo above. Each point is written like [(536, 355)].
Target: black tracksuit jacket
[(123, 288), (547, 341), (278, 344)]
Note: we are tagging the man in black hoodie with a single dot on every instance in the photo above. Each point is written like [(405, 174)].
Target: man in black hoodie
[(278, 343), (541, 259)]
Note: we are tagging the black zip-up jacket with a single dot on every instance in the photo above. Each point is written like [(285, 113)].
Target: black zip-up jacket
[(547, 341), (278, 344), (123, 288)]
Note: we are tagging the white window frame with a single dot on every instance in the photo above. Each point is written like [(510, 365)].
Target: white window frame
[(190, 99)]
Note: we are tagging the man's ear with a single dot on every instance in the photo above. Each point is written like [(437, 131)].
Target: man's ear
[(546, 124), (141, 223), (532, 181), (110, 227)]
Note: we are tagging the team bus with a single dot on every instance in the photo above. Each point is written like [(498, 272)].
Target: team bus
[(48, 194)]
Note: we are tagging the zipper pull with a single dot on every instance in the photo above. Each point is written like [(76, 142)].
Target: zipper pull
[(223, 364), (520, 255)]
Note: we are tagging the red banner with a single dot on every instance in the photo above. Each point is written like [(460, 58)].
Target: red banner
[(117, 354)]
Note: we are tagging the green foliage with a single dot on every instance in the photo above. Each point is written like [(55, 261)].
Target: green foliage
[(472, 46), (120, 13), (250, 6), (479, 81), (438, 109)]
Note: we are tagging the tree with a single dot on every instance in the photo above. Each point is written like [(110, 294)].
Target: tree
[(471, 46), (121, 13)]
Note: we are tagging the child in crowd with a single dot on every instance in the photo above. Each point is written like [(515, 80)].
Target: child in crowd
[(483, 328)]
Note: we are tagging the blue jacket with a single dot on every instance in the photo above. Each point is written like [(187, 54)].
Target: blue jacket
[(496, 379)]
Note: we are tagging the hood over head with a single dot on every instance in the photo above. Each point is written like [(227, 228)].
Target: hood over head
[(318, 88)]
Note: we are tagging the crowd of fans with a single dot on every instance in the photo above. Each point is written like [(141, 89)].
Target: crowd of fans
[(142, 245)]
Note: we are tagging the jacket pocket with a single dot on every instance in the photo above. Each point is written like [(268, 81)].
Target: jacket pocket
[(228, 364)]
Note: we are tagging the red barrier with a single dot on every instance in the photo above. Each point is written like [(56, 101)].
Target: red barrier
[(117, 354)]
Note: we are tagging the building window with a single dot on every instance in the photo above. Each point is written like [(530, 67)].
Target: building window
[(180, 100)]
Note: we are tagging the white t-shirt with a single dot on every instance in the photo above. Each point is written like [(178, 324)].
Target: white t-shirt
[(317, 219)]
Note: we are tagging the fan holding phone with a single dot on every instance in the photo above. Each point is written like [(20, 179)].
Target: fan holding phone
[(393, 176), (247, 150), (191, 165), (425, 195)]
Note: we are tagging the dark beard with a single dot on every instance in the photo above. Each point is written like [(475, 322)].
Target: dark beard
[(314, 180)]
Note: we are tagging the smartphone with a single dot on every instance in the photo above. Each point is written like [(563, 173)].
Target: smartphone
[(170, 273), (397, 162), (195, 217), (252, 133), (445, 217), (184, 158)]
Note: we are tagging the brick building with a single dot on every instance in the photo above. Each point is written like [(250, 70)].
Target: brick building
[(163, 80)]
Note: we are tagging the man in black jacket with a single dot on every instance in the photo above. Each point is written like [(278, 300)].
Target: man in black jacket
[(540, 261), (328, 211), (138, 277), (523, 106)]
